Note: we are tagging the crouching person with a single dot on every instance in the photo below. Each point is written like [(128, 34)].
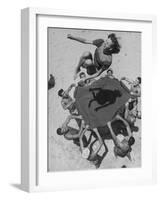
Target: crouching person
[(71, 133), (122, 148)]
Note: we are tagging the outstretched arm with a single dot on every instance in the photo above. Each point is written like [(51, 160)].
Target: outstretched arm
[(81, 134), (70, 117), (99, 139), (79, 39), (126, 110), (126, 79), (70, 87), (115, 139), (126, 124)]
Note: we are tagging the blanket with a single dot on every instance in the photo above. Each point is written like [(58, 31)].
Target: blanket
[(98, 95)]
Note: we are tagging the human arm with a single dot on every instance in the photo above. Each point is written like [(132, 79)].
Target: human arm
[(99, 139), (135, 94), (118, 117), (81, 134), (126, 110), (126, 79), (64, 126), (79, 39), (94, 152), (115, 139), (69, 88), (70, 117)]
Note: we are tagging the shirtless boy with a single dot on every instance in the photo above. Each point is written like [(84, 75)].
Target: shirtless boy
[(69, 104), (122, 148), (135, 89), (102, 55)]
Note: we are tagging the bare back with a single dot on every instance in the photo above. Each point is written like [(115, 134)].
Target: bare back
[(122, 148), (101, 56)]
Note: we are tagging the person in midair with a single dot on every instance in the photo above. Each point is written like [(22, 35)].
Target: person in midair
[(102, 55)]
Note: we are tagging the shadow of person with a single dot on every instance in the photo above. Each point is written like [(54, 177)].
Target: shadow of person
[(103, 97)]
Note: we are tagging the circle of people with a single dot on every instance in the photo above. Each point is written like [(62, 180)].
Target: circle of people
[(89, 70)]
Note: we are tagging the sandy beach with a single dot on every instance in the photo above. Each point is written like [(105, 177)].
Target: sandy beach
[(63, 57)]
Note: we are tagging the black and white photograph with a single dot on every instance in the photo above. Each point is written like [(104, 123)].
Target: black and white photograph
[(94, 99)]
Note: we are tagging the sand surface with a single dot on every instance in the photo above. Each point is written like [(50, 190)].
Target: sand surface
[(63, 56)]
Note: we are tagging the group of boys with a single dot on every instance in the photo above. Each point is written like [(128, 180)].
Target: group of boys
[(90, 69)]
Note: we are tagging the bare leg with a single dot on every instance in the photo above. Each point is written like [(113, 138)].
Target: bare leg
[(76, 135), (106, 149), (83, 58), (100, 158), (89, 140)]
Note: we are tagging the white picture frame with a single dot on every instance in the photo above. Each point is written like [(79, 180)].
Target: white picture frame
[(34, 175)]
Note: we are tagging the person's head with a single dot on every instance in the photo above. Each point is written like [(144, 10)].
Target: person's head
[(61, 93), (87, 62), (112, 44), (138, 81), (119, 152), (131, 141), (82, 75), (110, 72), (127, 147), (59, 132), (139, 114)]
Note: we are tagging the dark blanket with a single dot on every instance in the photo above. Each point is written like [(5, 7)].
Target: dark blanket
[(98, 118)]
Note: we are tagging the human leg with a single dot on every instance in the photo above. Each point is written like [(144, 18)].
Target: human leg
[(86, 59)]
